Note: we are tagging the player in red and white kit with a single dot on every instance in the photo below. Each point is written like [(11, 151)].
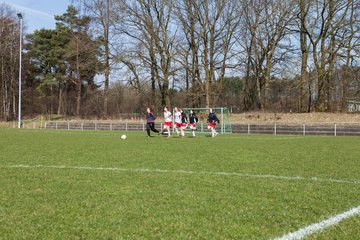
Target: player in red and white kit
[(177, 120), (167, 120)]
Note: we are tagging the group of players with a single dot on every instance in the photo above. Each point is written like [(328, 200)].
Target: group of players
[(181, 122)]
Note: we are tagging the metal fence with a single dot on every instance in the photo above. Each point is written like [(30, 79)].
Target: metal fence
[(325, 129)]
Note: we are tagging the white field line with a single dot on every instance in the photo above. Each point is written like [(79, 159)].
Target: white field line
[(146, 170), (247, 137), (117, 133), (316, 227)]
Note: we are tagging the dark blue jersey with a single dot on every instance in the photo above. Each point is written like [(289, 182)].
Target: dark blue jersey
[(183, 118), (193, 118), (212, 118), (150, 117)]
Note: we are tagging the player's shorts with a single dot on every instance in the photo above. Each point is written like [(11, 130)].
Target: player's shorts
[(168, 124), (183, 125), (193, 125), (211, 125), (177, 124)]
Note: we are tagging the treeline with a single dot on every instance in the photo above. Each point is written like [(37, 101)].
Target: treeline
[(107, 57)]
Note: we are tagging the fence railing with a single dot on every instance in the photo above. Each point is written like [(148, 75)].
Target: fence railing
[(326, 129)]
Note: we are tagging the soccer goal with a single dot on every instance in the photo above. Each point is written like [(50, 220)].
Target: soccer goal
[(202, 113)]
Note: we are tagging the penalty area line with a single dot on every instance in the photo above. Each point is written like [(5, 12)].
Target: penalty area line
[(317, 227), (165, 171)]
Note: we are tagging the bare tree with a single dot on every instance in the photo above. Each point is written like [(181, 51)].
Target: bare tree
[(9, 52), (265, 25), (147, 23), (303, 11), (324, 31), (350, 50), (187, 15), (103, 16), (208, 27)]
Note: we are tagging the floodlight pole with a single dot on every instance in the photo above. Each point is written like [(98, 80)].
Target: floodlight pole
[(20, 56)]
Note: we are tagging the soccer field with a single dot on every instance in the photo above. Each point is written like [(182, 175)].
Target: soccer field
[(93, 185)]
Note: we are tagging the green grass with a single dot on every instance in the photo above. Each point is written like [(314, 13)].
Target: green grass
[(73, 203)]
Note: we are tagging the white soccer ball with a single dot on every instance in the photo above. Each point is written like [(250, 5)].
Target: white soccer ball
[(123, 137)]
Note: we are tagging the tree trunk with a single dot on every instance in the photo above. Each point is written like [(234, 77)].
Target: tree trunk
[(304, 54), (346, 71), (166, 88), (78, 81), (345, 81), (332, 53), (195, 72), (60, 99), (329, 88), (107, 77), (107, 56), (320, 101), (309, 102), (207, 72), (154, 74), (3, 88), (266, 82)]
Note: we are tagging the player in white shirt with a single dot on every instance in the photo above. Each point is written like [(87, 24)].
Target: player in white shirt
[(167, 120), (177, 120)]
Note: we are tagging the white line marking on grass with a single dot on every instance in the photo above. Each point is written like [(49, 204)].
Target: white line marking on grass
[(316, 227), (117, 132), (145, 170), (246, 137)]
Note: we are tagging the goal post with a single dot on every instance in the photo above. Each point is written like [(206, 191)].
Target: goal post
[(222, 113)]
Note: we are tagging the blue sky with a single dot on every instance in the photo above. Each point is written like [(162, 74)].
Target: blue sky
[(38, 13)]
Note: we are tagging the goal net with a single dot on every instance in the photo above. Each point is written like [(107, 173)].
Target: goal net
[(222, 113)]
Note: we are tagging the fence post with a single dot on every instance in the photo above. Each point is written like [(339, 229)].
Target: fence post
[(275, 129), (248, 128), (95, 125), (202, 127), (304, 131), (68, 123), (110, 126), (82, 126), (34, 124), (335, 130), (161, 126), (45, 125), (126, 126), (143, 127), (56, 125)]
